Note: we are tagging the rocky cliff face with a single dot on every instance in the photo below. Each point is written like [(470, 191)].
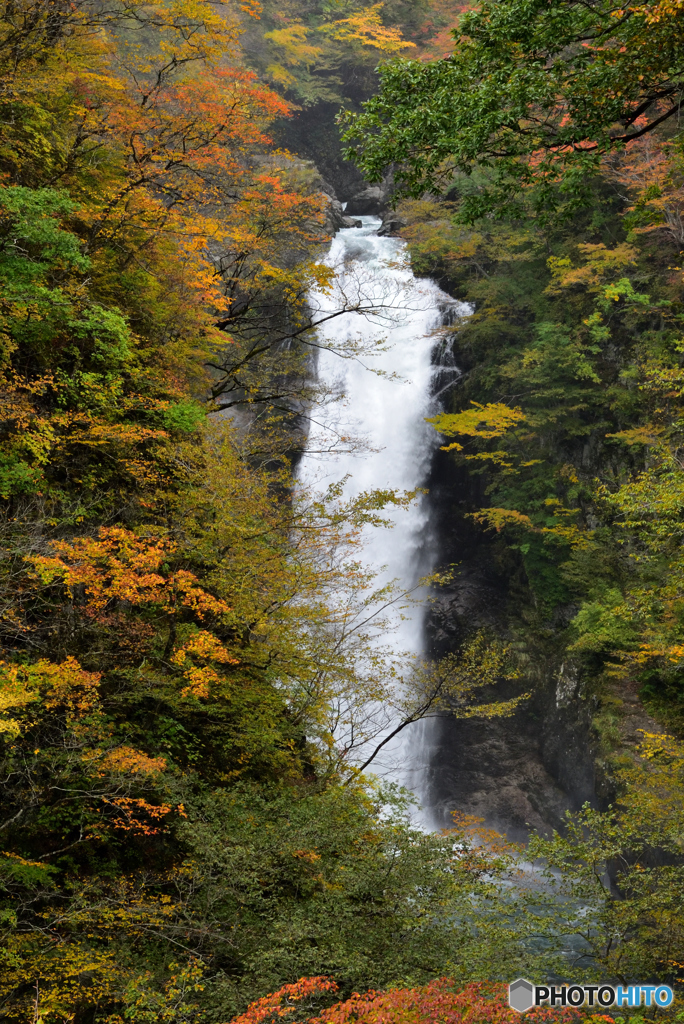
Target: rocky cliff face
[(517, 773), (335, 216)]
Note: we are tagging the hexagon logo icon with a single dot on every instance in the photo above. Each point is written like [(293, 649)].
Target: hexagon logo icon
[(521, 995)]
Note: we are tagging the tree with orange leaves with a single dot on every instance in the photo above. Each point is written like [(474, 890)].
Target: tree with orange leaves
[(161, 146), (651, 171)]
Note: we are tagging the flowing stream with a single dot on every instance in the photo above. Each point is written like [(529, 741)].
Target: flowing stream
[(387, 390)]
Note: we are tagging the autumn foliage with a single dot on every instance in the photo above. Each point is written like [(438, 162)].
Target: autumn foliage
[(183, 694), (442, 1000), (283, 1003), (177, 674), (138, 200)]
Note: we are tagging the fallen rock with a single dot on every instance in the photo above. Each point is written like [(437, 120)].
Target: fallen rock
[(392, 224)]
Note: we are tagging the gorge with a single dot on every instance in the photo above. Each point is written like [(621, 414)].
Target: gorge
[(517, 773), (234, 439)]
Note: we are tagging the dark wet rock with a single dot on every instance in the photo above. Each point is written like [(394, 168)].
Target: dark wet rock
[(392, 224), (517, 773), (370, 201), (335, 217)]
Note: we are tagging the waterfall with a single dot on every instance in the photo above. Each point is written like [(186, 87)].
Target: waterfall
[(386, 380)]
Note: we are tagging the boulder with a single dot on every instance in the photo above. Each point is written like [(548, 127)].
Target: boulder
[(368, 202), (392, 224)]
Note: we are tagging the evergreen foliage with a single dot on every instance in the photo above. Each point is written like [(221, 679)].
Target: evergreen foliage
[(537, 91)]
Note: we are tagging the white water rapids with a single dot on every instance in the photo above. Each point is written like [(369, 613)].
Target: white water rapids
[(388, 410)]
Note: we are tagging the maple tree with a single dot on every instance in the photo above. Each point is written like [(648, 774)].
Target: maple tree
[(162, 155), (651, 173), (277, 1005), (443, 999), (440, 1000)]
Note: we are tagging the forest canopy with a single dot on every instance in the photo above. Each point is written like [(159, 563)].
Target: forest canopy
[(538, 92), (182, 693)]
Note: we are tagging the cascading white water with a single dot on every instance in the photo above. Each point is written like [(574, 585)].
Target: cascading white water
[(388, 408)]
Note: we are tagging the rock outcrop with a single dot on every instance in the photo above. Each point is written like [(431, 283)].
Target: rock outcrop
[(369, 201), (392, 223), (517, 773), (373, 200), (335, 217)]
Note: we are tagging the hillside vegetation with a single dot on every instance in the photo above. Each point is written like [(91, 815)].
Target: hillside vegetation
[(561, 220), (182, 692)]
